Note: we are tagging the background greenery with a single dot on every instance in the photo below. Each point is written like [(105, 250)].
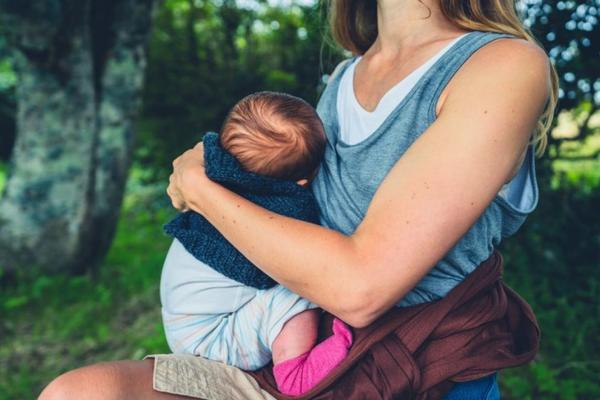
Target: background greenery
[(204, 56)]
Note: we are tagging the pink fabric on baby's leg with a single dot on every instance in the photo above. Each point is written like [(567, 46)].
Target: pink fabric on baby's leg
[(300, 374)]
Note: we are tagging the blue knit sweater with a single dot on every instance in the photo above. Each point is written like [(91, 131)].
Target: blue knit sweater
[(204, 242)]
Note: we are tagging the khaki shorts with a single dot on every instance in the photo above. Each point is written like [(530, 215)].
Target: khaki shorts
[(198, 377)]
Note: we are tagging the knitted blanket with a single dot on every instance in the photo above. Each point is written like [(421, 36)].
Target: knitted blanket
[(205, 243)]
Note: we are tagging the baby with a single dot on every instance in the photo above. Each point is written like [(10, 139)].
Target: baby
[(215, 303)]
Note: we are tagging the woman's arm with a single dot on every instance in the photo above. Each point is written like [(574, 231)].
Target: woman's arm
[(434, 193)]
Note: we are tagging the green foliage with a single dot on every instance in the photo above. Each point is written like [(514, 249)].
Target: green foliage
[(205, 56), (553, 263), (576, 154), (8, 80), (2, 176), (581, 174), (51, 324)]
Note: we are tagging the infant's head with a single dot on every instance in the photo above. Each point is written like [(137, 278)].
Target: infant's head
[(275, 134)]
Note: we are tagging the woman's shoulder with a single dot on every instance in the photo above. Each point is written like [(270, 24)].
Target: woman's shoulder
[(510, 55), (504, 61), (514, 50)]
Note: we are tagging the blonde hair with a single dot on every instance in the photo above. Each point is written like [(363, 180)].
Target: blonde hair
[(353, 24)]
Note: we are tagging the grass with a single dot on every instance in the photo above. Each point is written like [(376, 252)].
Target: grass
[(52, 324), (563, 290)]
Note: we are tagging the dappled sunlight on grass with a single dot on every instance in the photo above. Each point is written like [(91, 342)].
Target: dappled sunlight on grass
[(583, 173)]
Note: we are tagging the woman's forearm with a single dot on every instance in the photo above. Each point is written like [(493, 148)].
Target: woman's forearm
[(318, 263)]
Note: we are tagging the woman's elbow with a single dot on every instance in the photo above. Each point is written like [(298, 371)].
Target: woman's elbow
[(361, 308), (359, 320), (362, 297)]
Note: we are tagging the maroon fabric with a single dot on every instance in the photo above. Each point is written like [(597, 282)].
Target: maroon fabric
[(417, 352)]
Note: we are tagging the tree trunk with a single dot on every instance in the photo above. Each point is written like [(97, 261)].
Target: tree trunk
[(80, 67)]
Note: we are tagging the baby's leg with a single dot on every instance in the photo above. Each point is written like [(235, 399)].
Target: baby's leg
[(298, 364)]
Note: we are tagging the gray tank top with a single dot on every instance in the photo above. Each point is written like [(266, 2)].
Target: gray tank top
[(350, 174)]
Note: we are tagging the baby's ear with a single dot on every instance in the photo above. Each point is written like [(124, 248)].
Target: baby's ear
[(302, 182)]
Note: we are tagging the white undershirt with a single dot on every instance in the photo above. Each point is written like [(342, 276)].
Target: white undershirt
[(356, 123)]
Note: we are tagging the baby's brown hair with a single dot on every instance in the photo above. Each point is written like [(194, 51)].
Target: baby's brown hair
[(275, 134)]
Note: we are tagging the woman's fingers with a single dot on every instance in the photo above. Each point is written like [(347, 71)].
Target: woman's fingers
[(196, 153), (176, 199), (178, 204), (188, 175), (199, 152)]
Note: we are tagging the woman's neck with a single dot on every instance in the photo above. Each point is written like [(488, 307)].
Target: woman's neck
[(404, 25)]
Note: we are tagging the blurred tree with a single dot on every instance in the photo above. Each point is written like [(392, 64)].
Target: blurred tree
[(7, 102), (204, 56), (80, 70), (569, 32)]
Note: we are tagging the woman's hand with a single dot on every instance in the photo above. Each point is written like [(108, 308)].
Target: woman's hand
[(187, 178)]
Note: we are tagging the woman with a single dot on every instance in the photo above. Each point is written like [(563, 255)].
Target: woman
[(409, 206)]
